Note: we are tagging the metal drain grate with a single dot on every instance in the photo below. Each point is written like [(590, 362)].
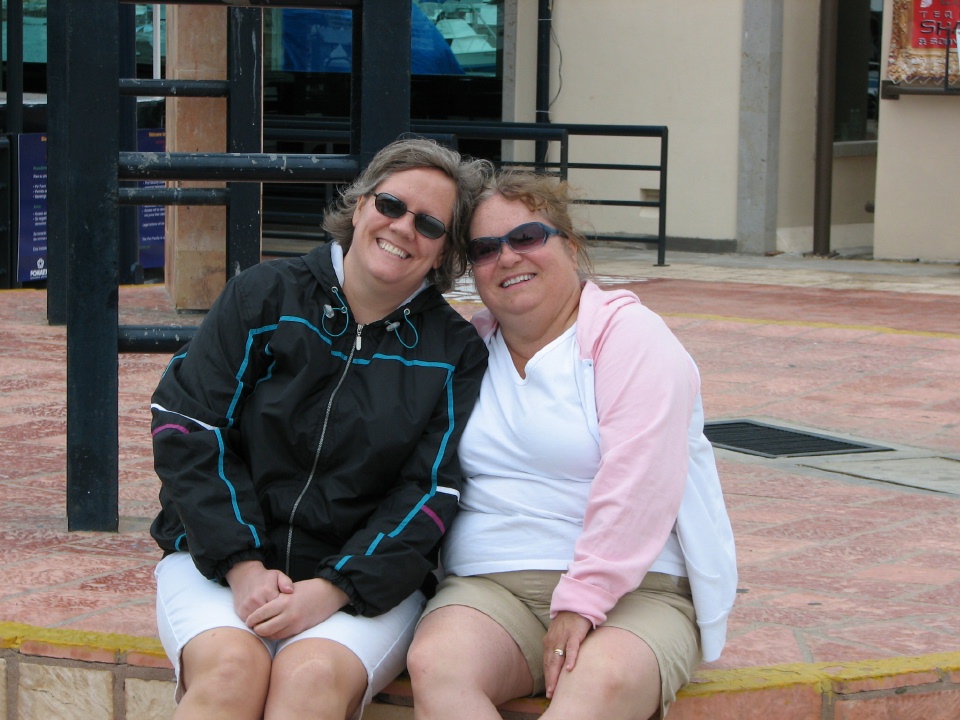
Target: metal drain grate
[(770, 441)]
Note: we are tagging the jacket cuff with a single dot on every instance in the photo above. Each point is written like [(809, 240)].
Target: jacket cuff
[(224, 566), (577, 596), (356, 602)]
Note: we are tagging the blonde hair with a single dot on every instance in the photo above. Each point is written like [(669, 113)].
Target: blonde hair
[(546, 194)]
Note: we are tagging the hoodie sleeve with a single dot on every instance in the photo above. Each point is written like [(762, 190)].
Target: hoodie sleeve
[(645, 388), (397, 548), (209, 501)]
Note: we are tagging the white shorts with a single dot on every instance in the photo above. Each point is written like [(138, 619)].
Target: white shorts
[(189, 604)]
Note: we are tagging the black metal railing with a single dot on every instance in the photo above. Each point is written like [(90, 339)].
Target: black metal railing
[(12, 126), (90, 157), (92, 163), (559, 137)]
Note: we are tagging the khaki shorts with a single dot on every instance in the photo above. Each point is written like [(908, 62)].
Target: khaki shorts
[(660, 612)]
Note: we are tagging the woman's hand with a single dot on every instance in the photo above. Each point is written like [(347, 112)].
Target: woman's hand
[(253, 586), (309, 603), (566, 633)]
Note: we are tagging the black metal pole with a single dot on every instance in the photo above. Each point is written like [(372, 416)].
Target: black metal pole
[(381, 75), (130, 270), (662, 210), (544, 21), (244, 167), (244, 134), (57, 191), (826, 102), (15, 66), (87, 146)]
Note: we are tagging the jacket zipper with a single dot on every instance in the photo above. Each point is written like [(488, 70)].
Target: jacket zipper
[(316, 457)]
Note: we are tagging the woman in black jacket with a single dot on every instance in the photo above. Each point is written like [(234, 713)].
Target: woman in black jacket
[(306, 442)]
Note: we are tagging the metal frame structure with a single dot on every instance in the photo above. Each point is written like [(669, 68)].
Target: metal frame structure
[(13, 124), (335, 131), (93, 171), (89, 156)]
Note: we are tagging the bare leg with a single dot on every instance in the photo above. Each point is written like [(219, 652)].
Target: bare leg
[(226, 673), (315, 679), (616, 678), (462, 665)]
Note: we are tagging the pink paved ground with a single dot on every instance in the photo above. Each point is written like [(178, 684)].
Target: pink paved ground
[(829, 570)]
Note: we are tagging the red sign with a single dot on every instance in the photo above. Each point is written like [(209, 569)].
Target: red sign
[(934, 23)]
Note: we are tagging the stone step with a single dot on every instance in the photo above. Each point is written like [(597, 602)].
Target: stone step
[(47, 673)]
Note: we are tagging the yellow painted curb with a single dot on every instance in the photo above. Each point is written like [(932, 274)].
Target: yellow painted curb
[(823, 675), (14, 635), (705, 683)]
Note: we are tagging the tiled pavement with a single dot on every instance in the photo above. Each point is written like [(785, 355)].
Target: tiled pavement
[(840, 559)]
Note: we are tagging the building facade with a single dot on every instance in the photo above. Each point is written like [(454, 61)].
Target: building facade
[(739, 84), (736, 82)]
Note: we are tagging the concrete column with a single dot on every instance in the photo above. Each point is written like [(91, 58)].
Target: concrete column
[(195, 255), (761, 55)]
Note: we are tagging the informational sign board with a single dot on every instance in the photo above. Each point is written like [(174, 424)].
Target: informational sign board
[(32, 236), (151, 219), (32, 182), (923, 32), (934, 23)]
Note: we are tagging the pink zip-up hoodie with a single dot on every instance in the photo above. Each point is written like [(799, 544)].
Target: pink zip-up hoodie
[(641, 391)]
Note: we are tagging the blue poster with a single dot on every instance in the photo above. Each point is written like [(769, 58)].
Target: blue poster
[(32, 238), (32, 176), (151, 219)]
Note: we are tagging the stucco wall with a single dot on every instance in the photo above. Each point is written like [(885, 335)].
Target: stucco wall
[(645, 62), (918, 179)]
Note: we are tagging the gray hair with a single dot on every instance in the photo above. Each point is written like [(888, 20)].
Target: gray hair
[(467, 174)]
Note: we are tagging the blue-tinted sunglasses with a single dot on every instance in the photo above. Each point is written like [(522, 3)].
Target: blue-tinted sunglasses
[(522, 239)]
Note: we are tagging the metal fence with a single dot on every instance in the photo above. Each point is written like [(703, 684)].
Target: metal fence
[(560, 138), (92, 179)]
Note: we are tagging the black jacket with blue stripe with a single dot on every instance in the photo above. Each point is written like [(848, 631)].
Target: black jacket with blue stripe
[(287, 433)]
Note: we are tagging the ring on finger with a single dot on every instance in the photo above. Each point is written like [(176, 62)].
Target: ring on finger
[(559, 651)]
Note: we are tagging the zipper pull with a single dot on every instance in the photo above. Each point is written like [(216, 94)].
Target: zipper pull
[(359, 330)]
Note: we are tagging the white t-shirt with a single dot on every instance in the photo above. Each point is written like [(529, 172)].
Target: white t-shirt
[(528, 459)]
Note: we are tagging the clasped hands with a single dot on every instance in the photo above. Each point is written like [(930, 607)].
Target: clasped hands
[(274, 606)]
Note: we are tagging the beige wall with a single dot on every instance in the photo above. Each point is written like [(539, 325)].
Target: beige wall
[(646, 62), (918, 164), (918, 179)]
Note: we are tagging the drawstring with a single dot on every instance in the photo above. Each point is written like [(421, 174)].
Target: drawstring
[(392, 327), (329, 312)]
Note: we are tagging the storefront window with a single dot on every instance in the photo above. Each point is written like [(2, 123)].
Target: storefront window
[(455, 60), (859, 24), (35, 41), (448, 38)]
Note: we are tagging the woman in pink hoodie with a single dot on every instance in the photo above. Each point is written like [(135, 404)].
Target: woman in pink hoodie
[(592, 558)]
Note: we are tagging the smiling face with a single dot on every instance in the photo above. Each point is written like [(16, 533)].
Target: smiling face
[(389, 251), (539, 286)]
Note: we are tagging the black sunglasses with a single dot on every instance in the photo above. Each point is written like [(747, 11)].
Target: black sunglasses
[(392, 207), (522, 239)]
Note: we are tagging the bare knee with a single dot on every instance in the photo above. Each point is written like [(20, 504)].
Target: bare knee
[(311, 674), (620, 680), (226, 670), (427, 664)]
